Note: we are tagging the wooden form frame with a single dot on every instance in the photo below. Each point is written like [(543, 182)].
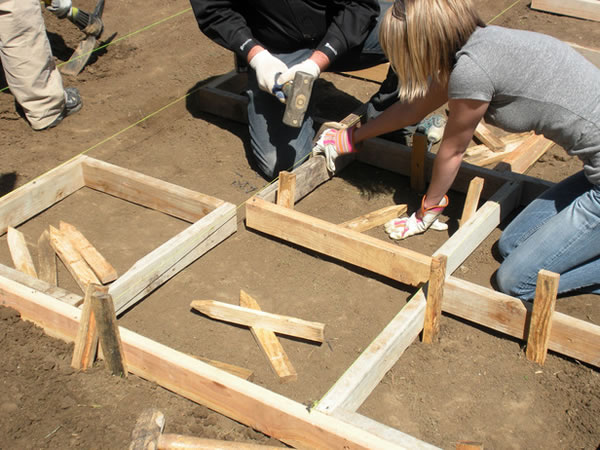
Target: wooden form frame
[(583, 9), (569, 336), (213, 220)]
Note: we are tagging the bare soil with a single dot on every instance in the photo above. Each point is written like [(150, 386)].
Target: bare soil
[(472, 385)]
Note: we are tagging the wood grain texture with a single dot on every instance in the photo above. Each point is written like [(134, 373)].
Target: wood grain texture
[(540, 324), (286, 190), (583, 9), (47, 270), (270, 345), (19, 252), (375, 218), (290, 326), (435, 295)]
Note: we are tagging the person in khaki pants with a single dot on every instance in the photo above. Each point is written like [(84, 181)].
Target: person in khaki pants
[(29, 66)]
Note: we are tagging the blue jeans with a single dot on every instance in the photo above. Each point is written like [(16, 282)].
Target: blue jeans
[(560, 232), (278, 147)]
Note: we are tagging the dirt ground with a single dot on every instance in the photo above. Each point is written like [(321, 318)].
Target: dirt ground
[(472, 385)]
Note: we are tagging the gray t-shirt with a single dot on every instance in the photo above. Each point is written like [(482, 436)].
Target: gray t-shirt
[(533, 82)]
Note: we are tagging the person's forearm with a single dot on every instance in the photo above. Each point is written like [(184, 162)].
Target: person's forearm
[(445, 167), (253, 51), (320, 59)]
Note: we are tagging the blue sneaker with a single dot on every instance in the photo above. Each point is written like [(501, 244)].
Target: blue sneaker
[(432, 127)]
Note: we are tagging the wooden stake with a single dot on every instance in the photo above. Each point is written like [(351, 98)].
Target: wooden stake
[(108, 331), (472, 199), (47, 260), (375, 218), (72, 259), (435, 294), (86, 342), (147, 430), (286, 193), (270, 345), (19, 252), (291, 326), (541, 316), (238, 371), (417, 162), (101, 267)]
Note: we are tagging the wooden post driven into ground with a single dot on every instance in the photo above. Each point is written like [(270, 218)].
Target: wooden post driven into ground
[(417, 162), (541, 316), (108, 332), (435, 294), (86, 342), (472, 199), (286, 194)]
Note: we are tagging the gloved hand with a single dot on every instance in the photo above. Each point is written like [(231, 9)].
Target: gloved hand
[(418, 222), (267, 67), (308, 66), (60, 8), (334, 142)]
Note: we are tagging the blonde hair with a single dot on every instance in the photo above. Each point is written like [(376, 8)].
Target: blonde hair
[(420, 39)]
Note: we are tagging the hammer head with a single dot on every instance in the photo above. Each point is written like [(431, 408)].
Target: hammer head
[(297, 95)]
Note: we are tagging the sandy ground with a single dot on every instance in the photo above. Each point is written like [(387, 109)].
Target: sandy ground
[(137, 114)]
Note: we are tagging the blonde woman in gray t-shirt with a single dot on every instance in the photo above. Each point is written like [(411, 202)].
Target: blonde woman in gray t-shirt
[(517, 80)]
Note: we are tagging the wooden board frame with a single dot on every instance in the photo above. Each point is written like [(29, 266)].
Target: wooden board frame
[(213, 220), (334, 422)]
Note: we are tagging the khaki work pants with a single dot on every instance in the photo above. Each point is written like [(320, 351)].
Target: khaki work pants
[(28, 63)]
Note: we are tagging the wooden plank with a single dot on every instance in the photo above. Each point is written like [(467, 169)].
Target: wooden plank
[(526, 154), (108, 332), (270, 345), (290, 326), (86, 342), (359, 380), (375, 218), (252, 405), (34, 197), (417, 162), (147, 430), (541, 317), (396, 158), (435, 294), (569, 336), (484, 134), (364, 251), (19, 252), (286, 189), (41, 285), (481, 155), (383, 431), (472, 199), (583, 9), (468, 237), (72, 259), (101, 267), (173, 256), (147, 191), (46, 260)]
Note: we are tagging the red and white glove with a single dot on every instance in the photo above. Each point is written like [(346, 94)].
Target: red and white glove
[(267, 67), (419, 222), (307, 66), (334, 142)]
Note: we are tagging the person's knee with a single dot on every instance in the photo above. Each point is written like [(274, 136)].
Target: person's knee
[(511, 282)]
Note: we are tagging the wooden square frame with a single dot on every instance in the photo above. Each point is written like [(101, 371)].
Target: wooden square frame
[(213, 220)]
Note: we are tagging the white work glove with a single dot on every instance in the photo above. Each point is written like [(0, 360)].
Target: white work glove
[(334, 142), (267, 67), (60, 8), (307, 66), (403, 227)]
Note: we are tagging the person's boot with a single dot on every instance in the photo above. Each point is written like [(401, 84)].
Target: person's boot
[(73, 103)]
